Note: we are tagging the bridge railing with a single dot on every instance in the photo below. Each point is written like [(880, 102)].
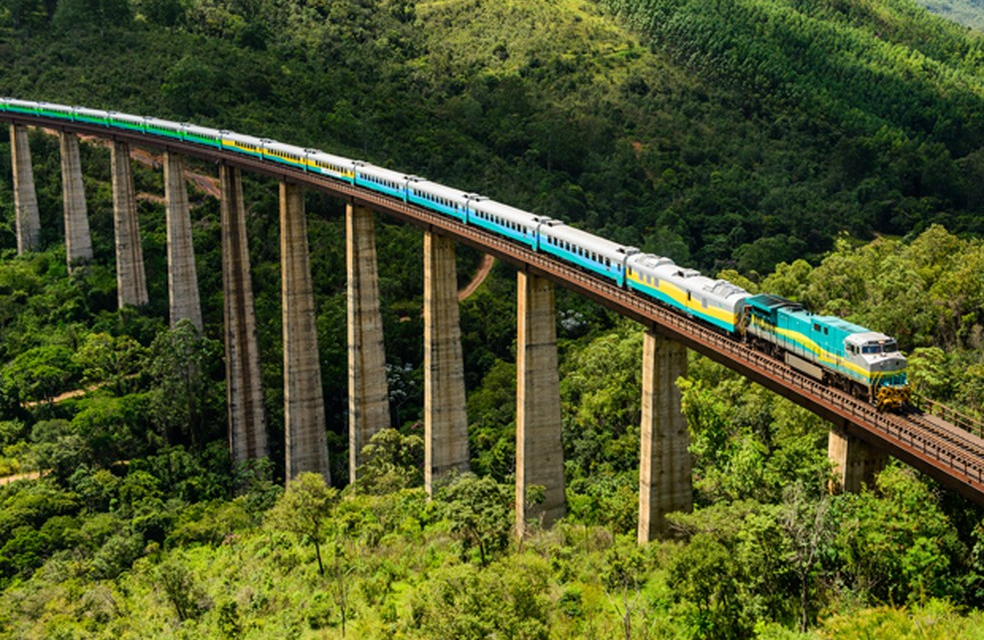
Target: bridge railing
[(954, 417)]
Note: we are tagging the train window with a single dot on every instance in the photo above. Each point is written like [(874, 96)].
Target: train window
[(816, 326), (826, 332)]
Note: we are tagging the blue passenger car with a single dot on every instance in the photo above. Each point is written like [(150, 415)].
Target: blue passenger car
[(506, 221)]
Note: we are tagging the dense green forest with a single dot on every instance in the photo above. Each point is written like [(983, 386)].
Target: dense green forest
[(829, 152)]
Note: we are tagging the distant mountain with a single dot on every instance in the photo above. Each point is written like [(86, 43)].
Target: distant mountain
[(966, 12)]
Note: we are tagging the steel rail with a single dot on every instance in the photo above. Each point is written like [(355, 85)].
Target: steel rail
[(953, 458)]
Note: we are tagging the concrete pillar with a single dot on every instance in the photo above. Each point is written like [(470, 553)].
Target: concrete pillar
[(28, 221), (131, 282), (665, 482), (78, 242), (182, 279), (539, 452), (855, 462), (244, 390), (304, 405), (445, 418), (368, 392)]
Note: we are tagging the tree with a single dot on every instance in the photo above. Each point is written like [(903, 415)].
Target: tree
[(480, 513), (181, 360), (391, 461), (899, 545), (303, 509), (807, 525), (188, 599), (72, 15), (112, 360), (38, 374), (704, 578)]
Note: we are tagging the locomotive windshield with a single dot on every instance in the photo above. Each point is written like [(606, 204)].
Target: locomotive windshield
[(876, 347)]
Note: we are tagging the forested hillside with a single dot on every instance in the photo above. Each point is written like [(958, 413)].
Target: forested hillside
[(829, 152), (965, 12)]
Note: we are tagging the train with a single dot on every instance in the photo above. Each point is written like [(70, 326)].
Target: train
[(865, 363)]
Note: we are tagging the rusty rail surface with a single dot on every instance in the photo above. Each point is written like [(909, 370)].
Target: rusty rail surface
[(952, 457)]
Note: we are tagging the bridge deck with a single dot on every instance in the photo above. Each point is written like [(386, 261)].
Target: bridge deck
[(950, 455)]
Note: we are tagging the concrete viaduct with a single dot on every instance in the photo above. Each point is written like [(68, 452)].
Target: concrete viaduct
[(860, 439)]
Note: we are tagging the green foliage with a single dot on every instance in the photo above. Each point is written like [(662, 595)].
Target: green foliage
[(38, 374), (706, 582), (464, 601), (480, 513), (303, 509), (74, 15), (492, 422), (182, 591), (933, 620), (900, 547), (184, 399), (112, 360), (390, 462)]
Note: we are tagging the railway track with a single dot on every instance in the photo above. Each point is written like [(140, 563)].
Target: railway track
[(935, 446)]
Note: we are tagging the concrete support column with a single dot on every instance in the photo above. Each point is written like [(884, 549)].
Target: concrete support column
[(304, 405), (131, 283), (539, 452), (856, 463), (665, 482), (28, 221), (445, 418), (368, 392), (182, 279), (78, 242), (244, 391)]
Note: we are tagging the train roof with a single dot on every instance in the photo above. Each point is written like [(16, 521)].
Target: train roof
[(586, 240), (273, 145), (770, 302), (436, 189), (98, 113), (493, 207), (328, 158), (127, 117), (381, 172), (253, 141), (23, 103), (648, 261), (203, 131), (840, 323)]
